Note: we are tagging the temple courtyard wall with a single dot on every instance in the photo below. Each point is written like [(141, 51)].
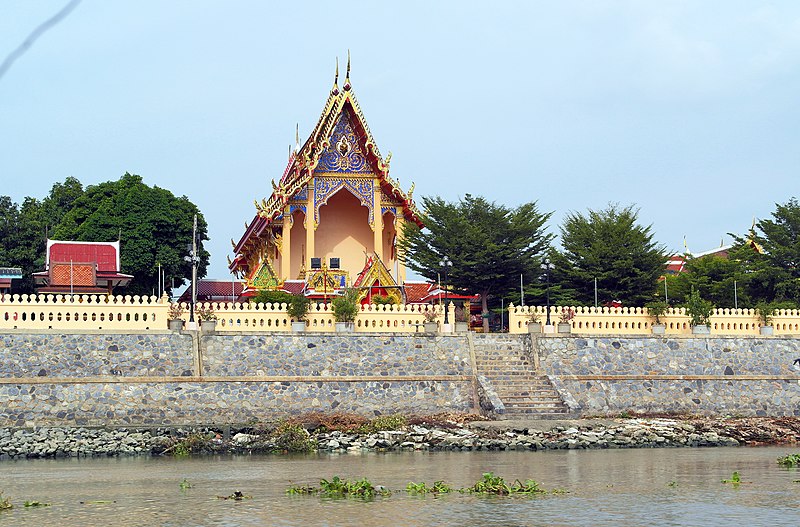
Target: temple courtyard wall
[(95, 378)]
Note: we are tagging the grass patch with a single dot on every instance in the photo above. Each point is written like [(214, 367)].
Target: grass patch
[(291, 437)]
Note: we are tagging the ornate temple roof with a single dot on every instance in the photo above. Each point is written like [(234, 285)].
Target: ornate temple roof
[(314, 156)]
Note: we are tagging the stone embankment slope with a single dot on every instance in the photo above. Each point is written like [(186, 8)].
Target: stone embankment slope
[(425, 436)]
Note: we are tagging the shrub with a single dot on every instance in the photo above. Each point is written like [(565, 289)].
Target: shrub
[(298, 307), (383, 300), (698, 310), (290, 437), (345, 306), (175, 311), (657, 309), (273, 297), (384, 422), (204, 312)]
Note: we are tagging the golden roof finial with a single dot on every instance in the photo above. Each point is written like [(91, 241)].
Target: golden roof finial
[(347, 76), (297, 137), (336, 78), (388, 158)]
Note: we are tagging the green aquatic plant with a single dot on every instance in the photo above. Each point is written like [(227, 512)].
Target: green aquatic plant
[(343, 487), (301, 489), (5, 503), (672, 484), (185, 484), (491, 484), (236, 496), (735, 479), (27, 503), (438, 487), (791, 460)]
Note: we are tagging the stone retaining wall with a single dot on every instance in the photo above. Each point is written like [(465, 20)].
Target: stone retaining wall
[(332, 355), (736, 375), (102, 377)]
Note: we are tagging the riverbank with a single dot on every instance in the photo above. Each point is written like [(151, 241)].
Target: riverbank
[(450, 432)]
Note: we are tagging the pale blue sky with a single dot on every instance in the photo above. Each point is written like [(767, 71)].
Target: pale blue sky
[(687, 109)]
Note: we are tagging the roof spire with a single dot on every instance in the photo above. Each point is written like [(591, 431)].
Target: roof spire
[(297, 137), (347, 76), (335, 89)]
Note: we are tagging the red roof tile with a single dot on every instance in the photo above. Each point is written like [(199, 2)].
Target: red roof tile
[(104, 254)]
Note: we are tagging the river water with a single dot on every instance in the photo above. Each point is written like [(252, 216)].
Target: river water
[(604, 488)]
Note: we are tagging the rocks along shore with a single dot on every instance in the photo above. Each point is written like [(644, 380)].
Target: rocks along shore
[(418, 434)]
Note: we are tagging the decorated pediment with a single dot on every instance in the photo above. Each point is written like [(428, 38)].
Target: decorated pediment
[(375, 279), (344, 152), (264, 278)]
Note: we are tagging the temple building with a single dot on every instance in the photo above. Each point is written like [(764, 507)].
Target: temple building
[(334, 217), (73, 267)]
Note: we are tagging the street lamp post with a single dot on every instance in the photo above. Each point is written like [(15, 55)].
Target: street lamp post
[(193, 258), (547, 267), (445, 263)]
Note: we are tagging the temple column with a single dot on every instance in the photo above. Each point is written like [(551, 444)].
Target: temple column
[(286, 247), (311, 227), (377, 223), (401, 268)]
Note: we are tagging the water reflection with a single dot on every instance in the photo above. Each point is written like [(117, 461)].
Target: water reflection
[(610, 487)]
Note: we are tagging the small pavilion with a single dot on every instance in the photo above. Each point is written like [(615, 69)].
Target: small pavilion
[(81, 268)]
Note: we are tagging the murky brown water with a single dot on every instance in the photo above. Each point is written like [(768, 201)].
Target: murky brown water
[(605, 488)]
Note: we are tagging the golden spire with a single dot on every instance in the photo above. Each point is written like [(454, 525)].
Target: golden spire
[(335, 88), (347, 76), (297, 137)]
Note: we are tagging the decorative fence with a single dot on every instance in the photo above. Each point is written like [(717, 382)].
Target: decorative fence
[(92, 312), (83, 312), (389, 318), (122, 313), (637, 321)]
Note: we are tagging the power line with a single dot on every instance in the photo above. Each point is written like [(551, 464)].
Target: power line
[(35, 34)]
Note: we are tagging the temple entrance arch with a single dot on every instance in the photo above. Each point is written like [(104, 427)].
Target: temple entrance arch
[(344, 231)]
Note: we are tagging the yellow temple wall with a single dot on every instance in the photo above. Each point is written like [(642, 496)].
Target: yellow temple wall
[(636, 320), (122, 313), (297, 243), (344, 232)]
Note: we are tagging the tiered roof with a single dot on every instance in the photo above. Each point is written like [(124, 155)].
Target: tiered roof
[(305, 159)]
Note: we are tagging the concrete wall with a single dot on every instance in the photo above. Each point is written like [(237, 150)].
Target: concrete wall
[(97, 378), (736, 375)]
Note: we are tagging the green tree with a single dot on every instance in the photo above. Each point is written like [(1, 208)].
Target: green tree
[(490, 245), (153, 225), (724, 281), (611, 247), (774, 269)]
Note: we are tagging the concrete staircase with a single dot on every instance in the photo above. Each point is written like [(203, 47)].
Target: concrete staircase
[(525, 393)]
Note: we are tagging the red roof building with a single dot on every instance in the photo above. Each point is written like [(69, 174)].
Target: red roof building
[(214, 291), (81, 268)]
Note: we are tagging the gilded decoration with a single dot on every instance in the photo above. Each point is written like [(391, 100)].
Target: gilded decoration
[(265, 278), (361, 187), (344, 153), (326, 281), (376, 275)]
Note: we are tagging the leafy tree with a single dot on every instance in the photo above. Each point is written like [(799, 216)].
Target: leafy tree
[(153, 225), (490, 245), (609, 246), (774, 273), (724, 281)]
